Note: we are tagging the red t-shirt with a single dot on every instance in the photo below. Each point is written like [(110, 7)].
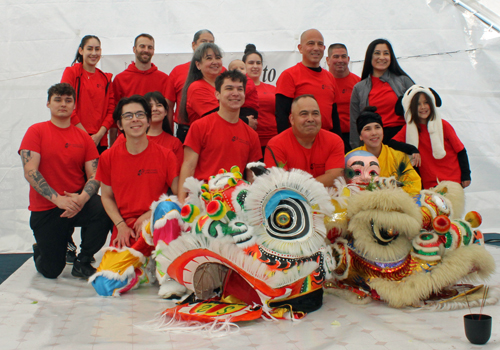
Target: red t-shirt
[(432, 169), (266, 127), (221, 144), (299, 80), (137, 179), (200, 99), (178, 77), (251, 95), (63, 153), (326, 153), (171, 143), (164, 140), (176, 81), (134, 81), (384, 98), (95, 98), (345, 86)]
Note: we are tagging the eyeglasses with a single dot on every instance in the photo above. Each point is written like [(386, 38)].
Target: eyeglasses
[(130, 115)]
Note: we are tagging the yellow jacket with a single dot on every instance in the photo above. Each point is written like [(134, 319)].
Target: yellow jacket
[(397, 164)]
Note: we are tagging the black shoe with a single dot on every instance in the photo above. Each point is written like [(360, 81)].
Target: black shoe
[(84, 270), (70, 254), (36, 251)]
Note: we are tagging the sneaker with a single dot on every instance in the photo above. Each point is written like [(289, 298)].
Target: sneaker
[(70, 254), (83, 270)]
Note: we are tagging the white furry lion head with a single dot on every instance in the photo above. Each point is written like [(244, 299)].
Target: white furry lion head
[(382, 223)]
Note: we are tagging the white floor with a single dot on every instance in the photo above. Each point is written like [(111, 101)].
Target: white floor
[(66, 313)]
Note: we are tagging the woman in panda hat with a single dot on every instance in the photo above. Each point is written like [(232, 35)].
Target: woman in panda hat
[(442, 154)]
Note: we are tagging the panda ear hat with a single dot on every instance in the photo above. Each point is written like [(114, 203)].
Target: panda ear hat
[(435, 126)]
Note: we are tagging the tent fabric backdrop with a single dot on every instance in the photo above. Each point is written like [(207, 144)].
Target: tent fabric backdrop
[(438, 44)]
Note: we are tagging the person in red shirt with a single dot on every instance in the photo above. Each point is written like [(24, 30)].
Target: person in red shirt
[(306, 145), (221, 139), (382, 82), (60, 162), (134, 173), (249, 112), (338, 64), (307, 77), (266, 128), (141, 76), (179, 74), (94, 92), (440, 153), (159, 131), (198, 94)]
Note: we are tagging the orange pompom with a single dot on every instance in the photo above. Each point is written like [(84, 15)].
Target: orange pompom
[(441, 224)]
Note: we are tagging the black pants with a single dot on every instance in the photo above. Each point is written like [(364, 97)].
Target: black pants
[(53, 232)]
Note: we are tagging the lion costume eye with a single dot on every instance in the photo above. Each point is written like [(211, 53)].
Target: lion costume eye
[(440, 203), (289, 220)]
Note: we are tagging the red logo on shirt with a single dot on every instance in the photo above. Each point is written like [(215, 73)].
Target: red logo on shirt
[(147, 171), (76, 145), (327, 87), (236, 138)]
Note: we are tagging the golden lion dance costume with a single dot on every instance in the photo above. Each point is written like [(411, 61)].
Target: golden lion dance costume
[(244, 251), (407, 251)]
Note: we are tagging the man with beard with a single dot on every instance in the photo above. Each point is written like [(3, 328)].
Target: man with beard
[(338, 64), (141, 76)]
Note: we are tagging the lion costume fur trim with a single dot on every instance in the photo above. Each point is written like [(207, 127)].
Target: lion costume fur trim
[(419, 286)]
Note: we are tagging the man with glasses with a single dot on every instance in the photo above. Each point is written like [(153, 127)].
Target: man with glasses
[(60, 163), (134, 173)]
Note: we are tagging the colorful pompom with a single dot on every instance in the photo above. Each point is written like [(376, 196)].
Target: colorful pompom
[(474, 219), (441, 224), (206, 196), (189, 212), (216, 210), (235, 169)]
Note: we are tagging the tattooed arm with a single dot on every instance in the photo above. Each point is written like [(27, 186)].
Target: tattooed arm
[(91, 187), (31, 162)]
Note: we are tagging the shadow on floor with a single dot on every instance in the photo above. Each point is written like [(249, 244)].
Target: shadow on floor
[(10, 263)]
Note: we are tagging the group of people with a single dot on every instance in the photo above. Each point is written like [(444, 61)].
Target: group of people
[(222, 118)]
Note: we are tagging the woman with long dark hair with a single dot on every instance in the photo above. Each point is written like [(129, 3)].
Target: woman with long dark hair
[(198, 95), (178, 75), (382, 82), (159, 131), (94, 92), (266, 128)]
